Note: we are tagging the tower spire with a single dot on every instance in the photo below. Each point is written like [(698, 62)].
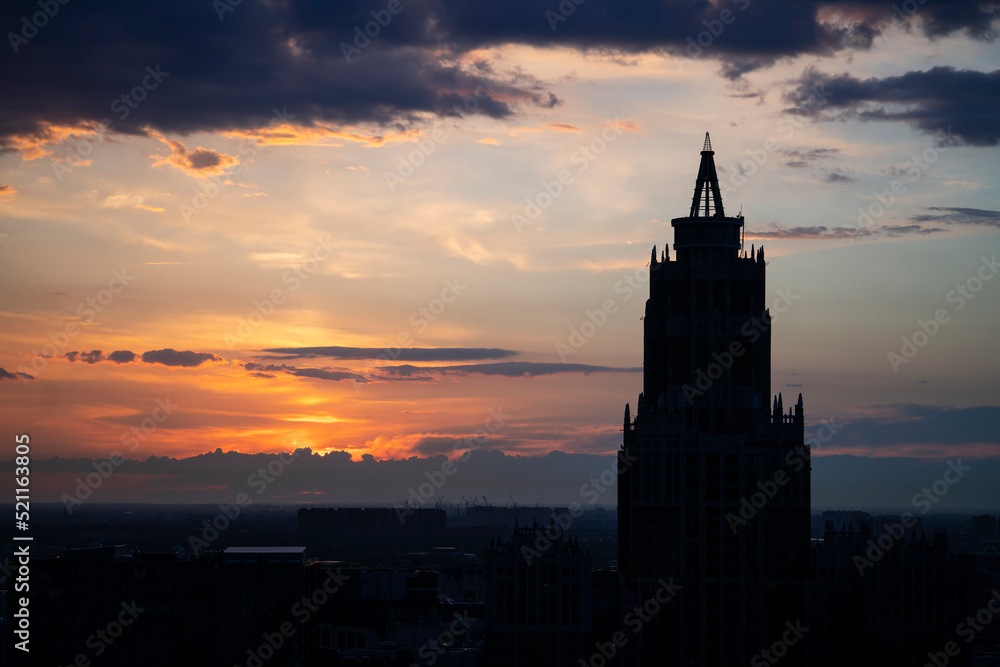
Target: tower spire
[(707, 200)]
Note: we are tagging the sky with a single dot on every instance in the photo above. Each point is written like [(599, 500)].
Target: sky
[(388, 234)]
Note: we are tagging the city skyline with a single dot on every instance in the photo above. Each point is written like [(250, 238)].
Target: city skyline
[(242, 267)]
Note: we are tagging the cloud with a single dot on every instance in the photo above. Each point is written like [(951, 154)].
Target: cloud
[(6, 376), (268, 371), (267, 368), (185, 359), (561, 127), (838, 176), (323, 374), (960, 106), (396, 354), (7, 193), (92, 357), (823, 232), (128, 201), (97, 356), (810, 157), (320, 134), (954, 215), (489, 141), (122, 356), (919, 430), (301, 53), (507, 369), (200, 162), (627, 125)]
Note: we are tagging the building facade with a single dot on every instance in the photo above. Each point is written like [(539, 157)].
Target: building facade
[(717, 499)]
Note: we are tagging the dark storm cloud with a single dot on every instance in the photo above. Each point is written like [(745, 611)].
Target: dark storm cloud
[(396, 354), (507, 369), (955, 215), (171, 357), (962, 106), (197, 68)]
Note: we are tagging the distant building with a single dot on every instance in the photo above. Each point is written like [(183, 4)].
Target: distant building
[(984, 527), (393, 616), (884, 594), (372, 522), (538, 607), (160, 609), (714, 486)]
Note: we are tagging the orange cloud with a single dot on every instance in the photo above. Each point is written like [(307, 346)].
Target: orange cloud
[(128, 201), (200, 162), (561, 127), (627, 125), (489, 140), (318, 135), (34, 145), (7, 193)]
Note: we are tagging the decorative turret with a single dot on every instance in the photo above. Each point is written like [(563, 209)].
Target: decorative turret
[(707, 201), (706, 233)]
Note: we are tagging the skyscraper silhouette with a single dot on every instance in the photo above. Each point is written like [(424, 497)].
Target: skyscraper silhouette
[(717, 499)]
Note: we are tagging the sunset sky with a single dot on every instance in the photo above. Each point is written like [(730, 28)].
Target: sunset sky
[(251, 227)]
